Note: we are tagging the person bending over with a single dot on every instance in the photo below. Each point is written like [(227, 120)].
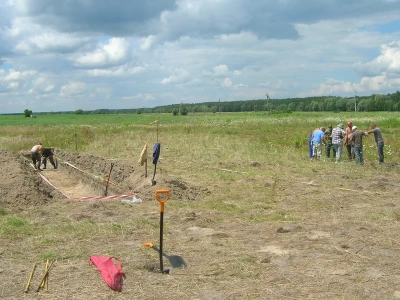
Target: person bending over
[(36, 152), (48, 153)]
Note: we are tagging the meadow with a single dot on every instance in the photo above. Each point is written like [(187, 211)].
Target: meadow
[(268, 223), (100, 133)]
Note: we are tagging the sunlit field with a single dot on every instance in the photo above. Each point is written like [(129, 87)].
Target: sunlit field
[(252, 135), (263, 220)]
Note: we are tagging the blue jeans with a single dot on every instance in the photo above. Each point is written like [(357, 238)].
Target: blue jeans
[(310, 147), (338, 149), (358, 155), (380, 152), (317, 150)]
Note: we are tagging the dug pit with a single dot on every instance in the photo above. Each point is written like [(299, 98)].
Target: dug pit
[(80, 176)]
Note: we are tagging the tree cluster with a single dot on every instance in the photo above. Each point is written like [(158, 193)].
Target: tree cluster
[(376, 102)]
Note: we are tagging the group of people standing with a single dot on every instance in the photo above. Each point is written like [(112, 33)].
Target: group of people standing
[(40, 155), (338, 138)]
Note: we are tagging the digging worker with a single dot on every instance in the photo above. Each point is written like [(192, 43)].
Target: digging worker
[(48, 153), (379, 141), (317, 140), (337, 135), (329, 145), (36, 152), (356, 137), (348, 141), (310, 144)]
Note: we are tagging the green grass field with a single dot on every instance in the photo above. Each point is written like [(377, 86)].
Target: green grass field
[(263, 221), (103, 134)]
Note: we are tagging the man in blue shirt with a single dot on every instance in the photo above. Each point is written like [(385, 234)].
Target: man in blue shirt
[(317, 138)]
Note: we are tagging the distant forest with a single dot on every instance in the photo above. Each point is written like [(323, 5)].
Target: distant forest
[(389, 102), (375, 102)]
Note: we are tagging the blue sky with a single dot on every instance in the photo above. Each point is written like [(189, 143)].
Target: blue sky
[(92, 54)]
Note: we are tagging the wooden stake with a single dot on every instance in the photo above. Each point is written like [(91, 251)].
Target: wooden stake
[(44, 276), (30, 278), (45, 270)]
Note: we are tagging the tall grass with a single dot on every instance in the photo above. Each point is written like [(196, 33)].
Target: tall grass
[(222, 136)]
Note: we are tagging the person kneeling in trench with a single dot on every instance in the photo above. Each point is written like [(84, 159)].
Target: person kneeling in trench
[(48, 153), (36, 152)]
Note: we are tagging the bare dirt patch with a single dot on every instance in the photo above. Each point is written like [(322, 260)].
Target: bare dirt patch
[(19, 186), (314, 243)]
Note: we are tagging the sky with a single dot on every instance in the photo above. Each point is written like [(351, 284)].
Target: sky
[(96, 54)]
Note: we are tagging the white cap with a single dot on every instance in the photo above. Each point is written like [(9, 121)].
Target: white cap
[(354, 128)]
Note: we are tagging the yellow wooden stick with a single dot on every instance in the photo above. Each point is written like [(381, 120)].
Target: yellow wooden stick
[(30, 278), (47, 280), (44, 276), (45, 270)]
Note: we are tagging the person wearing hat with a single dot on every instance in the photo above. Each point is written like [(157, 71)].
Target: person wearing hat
[(379, 141), (356, 138), (348, 141), (337, 140)]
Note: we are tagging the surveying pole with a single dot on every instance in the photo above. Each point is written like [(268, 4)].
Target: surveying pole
[(355, 100)]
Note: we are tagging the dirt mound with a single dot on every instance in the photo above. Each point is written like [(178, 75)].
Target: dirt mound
[(20, 184)]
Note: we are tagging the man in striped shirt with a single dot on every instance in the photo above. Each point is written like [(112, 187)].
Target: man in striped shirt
[(337, 140)]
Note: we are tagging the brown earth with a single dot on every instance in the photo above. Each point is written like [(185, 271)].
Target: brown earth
[(347, 246)]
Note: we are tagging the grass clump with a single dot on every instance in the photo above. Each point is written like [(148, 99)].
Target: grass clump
[(16, 222), (2, 211)]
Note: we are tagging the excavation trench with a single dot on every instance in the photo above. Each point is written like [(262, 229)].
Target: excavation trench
[(75, 183), (83, 177)]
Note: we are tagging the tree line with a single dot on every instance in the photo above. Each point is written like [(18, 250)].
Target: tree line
[(375, 102)]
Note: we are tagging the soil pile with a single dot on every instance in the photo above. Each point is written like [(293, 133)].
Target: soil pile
[(20, 184)]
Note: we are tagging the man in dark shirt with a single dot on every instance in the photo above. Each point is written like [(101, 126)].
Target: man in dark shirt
[(48, 153), (329, 145), (379, 141), (356, 138)]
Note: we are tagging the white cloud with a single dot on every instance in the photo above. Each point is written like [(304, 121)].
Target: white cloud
[(50, 41), (72, 88), (378, 83), (42, 84), (243, 38), (332, 87), (139, 97), (13, 75), (148, 42), (366, 85), (120, 71), (13, 85), (227, 82), (387, 61), (115, 52), (180, 76), (221, 70), (49, 88), (380, 74)]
